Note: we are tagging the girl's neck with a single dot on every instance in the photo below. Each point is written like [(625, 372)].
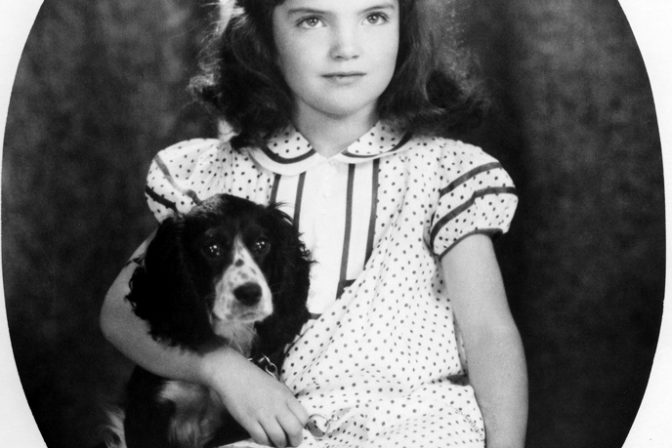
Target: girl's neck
[(330, 135)]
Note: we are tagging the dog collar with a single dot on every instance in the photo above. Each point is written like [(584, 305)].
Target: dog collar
[(266, 365)]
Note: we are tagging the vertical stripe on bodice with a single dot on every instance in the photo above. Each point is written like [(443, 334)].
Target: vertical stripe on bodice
[(334, 206)]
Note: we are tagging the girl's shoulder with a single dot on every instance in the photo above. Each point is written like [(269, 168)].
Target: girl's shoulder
[(185, 173), (451, 152), (189, 158), (189, 150), (194, 148), (475, 194)]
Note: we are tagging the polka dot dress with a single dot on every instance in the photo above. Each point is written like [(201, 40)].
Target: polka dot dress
[(380, 363)]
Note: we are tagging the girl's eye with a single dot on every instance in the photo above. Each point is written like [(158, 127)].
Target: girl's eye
[(310, 22), (213, 250), (260, 246), (377, 18)]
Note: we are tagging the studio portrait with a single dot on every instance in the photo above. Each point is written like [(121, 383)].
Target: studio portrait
[(353, 224)]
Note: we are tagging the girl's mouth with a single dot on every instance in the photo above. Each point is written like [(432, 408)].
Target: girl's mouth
[(343, 77)]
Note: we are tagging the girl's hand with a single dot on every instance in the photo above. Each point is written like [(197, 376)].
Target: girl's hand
[(265, 407)]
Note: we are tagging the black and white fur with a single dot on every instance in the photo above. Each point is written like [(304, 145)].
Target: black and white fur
[(228, 272)]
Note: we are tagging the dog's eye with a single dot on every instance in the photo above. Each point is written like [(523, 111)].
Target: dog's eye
[(261, 245), (213, 250)]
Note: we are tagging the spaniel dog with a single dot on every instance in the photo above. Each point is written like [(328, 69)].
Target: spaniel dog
[(228, 272)]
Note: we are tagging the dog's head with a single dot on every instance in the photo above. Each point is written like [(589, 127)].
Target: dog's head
[(213, 272)]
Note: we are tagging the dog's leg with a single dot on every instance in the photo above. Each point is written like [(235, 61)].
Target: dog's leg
[(147, 418), (197, 414), (114, 436)]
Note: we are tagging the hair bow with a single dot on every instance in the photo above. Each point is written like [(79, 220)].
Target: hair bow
[(227, 10)]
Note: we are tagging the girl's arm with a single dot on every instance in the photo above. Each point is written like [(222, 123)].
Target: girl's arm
[(495, 358), (263, 406)]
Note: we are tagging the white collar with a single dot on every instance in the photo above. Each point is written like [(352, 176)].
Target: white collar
[(289, 153)]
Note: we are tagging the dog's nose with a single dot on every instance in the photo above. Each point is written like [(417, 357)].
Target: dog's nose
[(248, 293)]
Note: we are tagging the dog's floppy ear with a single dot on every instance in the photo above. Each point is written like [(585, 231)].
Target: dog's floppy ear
[(163, 290), (289, 282), (293, 259)]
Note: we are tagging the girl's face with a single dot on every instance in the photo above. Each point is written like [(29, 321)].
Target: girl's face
[(337, 57)]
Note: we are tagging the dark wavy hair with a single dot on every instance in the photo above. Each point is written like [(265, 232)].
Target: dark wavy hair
[(241, 82)]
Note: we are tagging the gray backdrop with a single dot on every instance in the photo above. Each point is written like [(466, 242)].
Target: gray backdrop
[(100, 89)]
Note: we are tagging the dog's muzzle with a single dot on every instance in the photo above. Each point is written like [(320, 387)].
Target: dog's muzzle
[(242, 293)]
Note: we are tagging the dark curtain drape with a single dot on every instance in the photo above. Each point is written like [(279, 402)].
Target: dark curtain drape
[(101, 87)]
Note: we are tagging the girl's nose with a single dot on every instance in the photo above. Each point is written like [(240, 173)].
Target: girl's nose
[(346, 43)]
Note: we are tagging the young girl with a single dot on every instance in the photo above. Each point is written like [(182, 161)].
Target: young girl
[(340, 111)]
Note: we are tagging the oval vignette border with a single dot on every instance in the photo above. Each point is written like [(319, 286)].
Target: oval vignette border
[(648, 21), (17, 425)]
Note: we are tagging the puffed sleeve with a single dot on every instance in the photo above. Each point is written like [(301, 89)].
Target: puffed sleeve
[(181, 176), (476, 195)]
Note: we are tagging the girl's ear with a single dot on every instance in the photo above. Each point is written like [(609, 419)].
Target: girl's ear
[(163, 291)]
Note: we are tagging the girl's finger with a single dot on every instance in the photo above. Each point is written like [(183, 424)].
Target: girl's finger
[(258, 434), (275, 433), (292, 427), (298, 410)]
